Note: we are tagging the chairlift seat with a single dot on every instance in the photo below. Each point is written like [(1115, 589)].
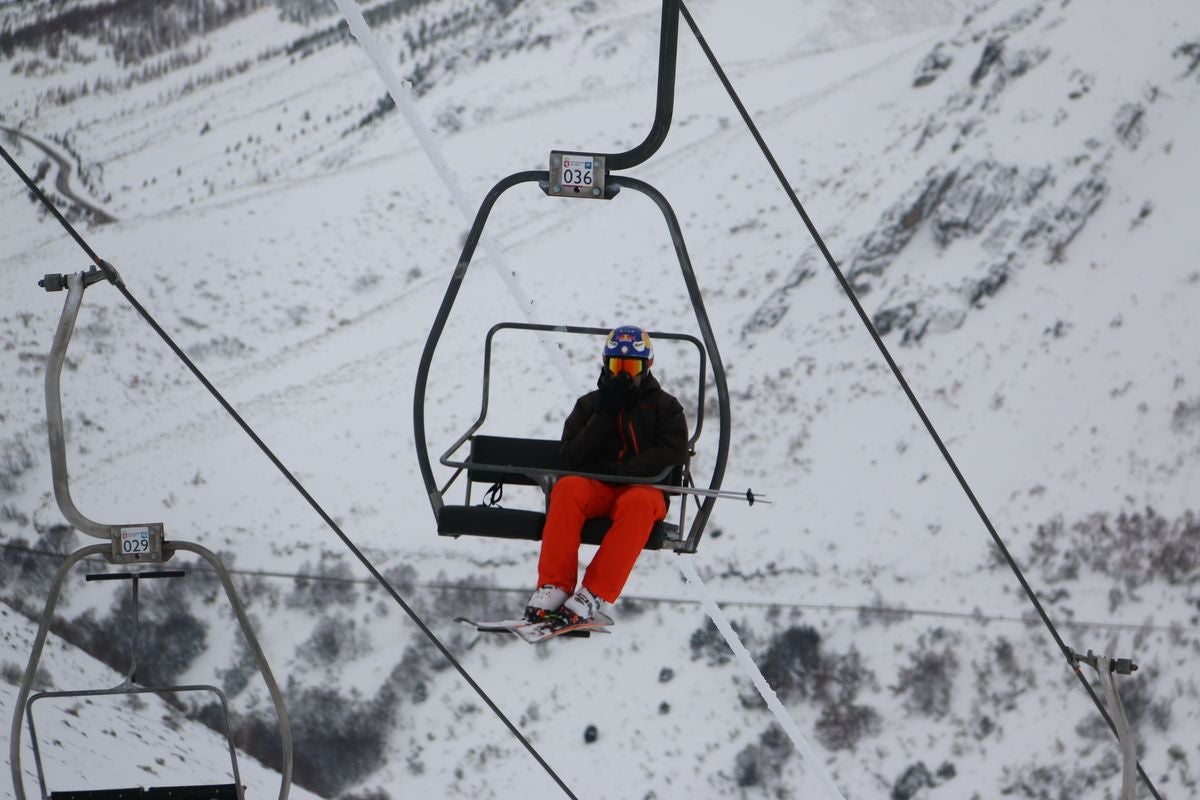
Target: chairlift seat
[(516, 523), (220, 791)]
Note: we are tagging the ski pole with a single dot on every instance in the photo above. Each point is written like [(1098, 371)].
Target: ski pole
[(750, 497)]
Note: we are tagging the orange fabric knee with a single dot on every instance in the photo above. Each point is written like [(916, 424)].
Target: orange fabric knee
[(572, 501), (634, 511)]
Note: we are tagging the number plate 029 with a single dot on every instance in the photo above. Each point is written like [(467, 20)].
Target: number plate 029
[(138, 543), (135, 541)]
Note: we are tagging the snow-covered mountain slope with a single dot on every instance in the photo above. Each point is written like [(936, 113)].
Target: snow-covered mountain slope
[(1008, 190)]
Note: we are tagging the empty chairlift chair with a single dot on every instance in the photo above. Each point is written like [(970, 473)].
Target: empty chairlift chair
[(123, 545)]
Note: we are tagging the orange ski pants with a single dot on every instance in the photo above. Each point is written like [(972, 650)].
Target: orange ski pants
[(633, 509)]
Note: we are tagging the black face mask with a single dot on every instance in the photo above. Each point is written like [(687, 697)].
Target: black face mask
[(616, 391)]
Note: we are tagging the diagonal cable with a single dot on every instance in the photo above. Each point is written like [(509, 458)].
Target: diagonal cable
[(299, 487), (866, 320)]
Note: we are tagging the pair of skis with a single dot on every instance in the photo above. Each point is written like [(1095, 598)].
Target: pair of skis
[(534, 632)]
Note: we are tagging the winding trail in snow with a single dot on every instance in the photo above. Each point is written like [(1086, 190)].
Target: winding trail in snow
[(62, 178)]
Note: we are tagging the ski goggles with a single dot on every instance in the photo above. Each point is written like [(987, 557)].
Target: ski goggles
[(630, 366)]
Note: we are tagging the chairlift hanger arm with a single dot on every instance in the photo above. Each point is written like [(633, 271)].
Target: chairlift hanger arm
[(664, 106), (668, 46), (54, 282), (149, 535)]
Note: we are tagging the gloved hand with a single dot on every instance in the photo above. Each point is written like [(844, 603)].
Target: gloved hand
[(616, 392)]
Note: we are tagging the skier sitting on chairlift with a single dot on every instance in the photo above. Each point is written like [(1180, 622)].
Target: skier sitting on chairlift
[(630, 427)]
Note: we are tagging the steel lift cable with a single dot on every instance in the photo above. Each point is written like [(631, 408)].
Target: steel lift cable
[(916, 404), (111, 274)]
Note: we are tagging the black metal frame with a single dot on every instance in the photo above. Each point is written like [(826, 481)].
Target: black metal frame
[(668, 45)]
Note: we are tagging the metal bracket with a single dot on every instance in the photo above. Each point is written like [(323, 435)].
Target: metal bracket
[(56, 283), (1121, 666)]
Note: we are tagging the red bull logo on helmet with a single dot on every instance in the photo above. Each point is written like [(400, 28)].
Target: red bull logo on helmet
[(629, 341)]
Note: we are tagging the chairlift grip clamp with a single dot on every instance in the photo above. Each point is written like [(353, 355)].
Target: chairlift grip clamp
[(55, 282), (110, 272), (1121, 666)]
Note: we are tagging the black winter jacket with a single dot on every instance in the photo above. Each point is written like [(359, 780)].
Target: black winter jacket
[(640, 440)]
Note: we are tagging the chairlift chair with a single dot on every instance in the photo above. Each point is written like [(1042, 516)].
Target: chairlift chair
[(124, 545), (507, 460), (511, 460)]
